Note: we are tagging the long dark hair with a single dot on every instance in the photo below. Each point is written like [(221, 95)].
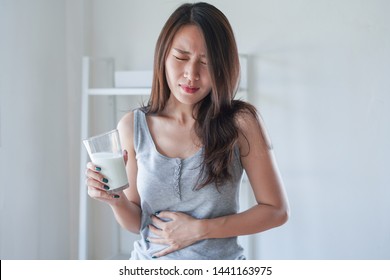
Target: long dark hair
[(216, 114)]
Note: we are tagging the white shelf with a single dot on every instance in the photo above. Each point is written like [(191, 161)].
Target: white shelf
[(119, 91)]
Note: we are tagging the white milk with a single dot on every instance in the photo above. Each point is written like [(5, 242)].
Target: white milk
[(113, 168)]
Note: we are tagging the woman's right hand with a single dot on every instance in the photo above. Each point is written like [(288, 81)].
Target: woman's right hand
[(98, 185)]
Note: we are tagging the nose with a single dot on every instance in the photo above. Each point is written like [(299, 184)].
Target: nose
[(192, 72)]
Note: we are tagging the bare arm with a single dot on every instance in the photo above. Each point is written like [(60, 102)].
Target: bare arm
[(126, 207), (272, 208)]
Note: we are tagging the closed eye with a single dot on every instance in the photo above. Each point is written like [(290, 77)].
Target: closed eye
[(185, 59), (180, 58)]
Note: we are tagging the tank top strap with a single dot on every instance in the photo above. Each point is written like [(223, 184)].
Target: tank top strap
[(139, 129)]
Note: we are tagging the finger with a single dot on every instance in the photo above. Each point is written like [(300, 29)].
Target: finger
[(99, 194), (125, 156), (157, 240), (92, 166), (166, 214), (155, 230), (166, 251), (160, 224), (96, 176), (96, 184)]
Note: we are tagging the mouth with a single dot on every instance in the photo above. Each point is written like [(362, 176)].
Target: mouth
[(189, 89)]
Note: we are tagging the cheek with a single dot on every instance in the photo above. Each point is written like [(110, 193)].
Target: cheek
[(168, 73), (172, 71), (206, 78)]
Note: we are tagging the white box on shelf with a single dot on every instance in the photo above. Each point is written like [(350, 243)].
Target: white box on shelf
[(133, 79), (244, 70)]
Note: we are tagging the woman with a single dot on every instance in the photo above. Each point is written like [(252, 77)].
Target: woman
[(187, 149)]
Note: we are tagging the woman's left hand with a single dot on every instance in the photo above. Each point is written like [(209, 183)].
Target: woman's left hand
[(181, 230)]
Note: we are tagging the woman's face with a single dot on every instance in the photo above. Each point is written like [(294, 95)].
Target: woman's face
[(186, 66)]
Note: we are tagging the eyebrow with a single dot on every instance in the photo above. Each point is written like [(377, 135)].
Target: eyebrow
[(186, 52)]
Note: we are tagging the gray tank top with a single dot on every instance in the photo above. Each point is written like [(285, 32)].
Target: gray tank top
[(166, 183)]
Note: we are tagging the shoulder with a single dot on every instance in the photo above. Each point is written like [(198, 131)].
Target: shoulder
[(246, 119), (252, 131), (126, 122), (245, 116), (126, 129)]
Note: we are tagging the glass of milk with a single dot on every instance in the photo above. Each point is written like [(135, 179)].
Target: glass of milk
[(105, 152)]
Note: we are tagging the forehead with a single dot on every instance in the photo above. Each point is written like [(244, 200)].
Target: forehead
[(189, 38)]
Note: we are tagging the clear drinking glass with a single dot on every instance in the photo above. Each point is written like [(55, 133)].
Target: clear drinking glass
[(105, 152)]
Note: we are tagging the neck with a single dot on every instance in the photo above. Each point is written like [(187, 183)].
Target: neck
[(182, 113)]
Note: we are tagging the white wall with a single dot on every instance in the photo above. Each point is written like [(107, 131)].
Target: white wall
[(322, 83), (38, 206), (319, 77)]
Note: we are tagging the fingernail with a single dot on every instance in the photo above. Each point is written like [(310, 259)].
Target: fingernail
[(98, 168), (154, 257), (105, 180), (158, 212), (116, 196), (106, 187), (147, 240)]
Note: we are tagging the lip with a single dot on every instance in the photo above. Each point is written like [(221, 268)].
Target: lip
[(189, 89)]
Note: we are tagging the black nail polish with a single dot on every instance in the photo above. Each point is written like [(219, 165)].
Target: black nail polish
[(105, 180), (156, 214), (98, 168), (116, 196), (154, 257), (147, 240), (106, 187)]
